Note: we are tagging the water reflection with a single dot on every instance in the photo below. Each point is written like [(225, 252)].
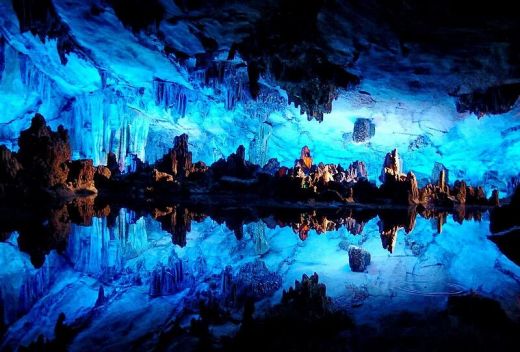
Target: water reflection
[(105, 266), (54, 224)]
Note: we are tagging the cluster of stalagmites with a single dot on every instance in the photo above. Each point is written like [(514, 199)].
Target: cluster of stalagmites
[(403, 188), (43, 162)]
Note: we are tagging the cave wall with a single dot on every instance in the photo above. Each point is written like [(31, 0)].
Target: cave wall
[(129, 87)]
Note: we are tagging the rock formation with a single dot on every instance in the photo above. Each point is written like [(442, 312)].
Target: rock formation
[(177, 162), (459, 191), (356, 171), (81, 174), (358, 259), (391, 167), (9, 166), (112, 164), (44, 154), (167, 279), (364, 129), (158, 176), (305, 161), (235, 165), (494, 200), (255, 281), (102, 176)]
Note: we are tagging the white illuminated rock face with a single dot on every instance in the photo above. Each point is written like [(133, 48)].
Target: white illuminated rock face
[(107, 96)]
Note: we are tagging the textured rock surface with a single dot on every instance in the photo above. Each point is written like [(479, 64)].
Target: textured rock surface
[(364, 129), (81, 175), (177, 161), (255, 281), (44, 154), (9, 165), (358, 259)]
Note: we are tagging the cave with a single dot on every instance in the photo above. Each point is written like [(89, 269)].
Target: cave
[(227, 175)]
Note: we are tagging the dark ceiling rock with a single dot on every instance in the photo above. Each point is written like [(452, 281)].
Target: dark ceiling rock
[(287, 44), (40, 18), (494, 100), (313, 49), (138, 14)]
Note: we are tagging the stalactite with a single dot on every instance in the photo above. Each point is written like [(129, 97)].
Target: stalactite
[(227, 78), (170, 96), (35, 80), (257, 232), (167, 280), (258, 147), (2, 57), (33, 288)]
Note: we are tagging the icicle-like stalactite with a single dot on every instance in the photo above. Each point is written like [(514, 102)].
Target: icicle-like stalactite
[(167, 279), (33, 288), (88, 248), (87, 127), (109, 121), (101, 251), (24, 90), (227, 78), (35, 80), (171, 97), (124, 113), (258, 148), (257, 232), (268, 101), (2, 57)]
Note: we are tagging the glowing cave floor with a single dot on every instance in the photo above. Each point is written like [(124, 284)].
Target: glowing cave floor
[(149, 282)]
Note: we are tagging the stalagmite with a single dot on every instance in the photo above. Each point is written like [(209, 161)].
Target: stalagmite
[(442, 181), (44, 154), (306, 159), (178, 160), (391, 166)]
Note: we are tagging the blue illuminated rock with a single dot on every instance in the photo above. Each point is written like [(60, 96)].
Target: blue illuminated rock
[(254, 280), (358, 259), (166, 280), (364, 129)]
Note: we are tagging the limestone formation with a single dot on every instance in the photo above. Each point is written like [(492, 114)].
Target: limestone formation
[(391, 166), (356, 171), (364, 129), (112, 164), (413, 190), (358, 259), (256, 281), (235, 166), (9, 165), (81, 175), (177, 161), (494, 200), (459, 191), (158, 176), (102, 175), (44, 154), (436, 171), (305, 160), (442, 181)]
